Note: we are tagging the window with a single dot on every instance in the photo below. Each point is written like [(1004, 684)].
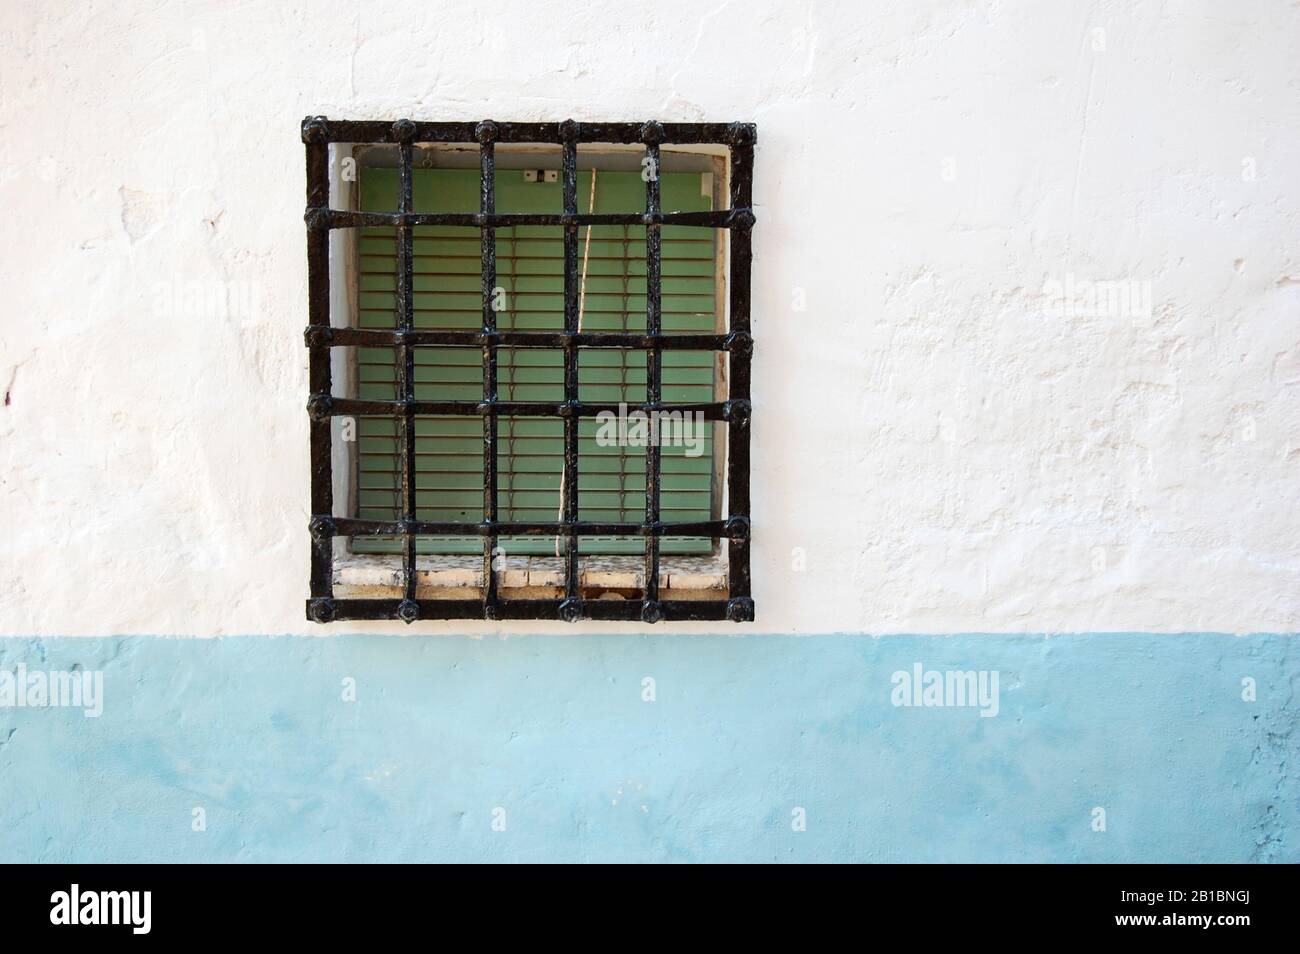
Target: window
[(529, 342)]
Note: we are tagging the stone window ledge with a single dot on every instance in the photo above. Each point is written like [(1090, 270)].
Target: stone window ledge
[(460, 577)]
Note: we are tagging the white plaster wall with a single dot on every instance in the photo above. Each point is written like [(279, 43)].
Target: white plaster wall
[(950, 455)]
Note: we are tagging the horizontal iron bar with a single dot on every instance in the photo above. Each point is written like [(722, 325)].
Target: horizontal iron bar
[(342, 219), (319, 128), (383, 338), (321, 406), (348, 526), (570, 610)]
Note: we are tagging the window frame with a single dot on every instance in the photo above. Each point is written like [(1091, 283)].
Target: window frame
[(608, 158), (736, 221)]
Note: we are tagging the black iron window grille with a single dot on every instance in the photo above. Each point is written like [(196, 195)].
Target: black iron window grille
[(736, 342)]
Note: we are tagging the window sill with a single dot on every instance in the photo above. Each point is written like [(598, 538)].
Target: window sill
[(599, 577)]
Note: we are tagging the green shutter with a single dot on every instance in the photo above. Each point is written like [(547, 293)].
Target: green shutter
[(530, 260)]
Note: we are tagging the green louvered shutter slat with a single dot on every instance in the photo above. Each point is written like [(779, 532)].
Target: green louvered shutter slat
[(530, 268)]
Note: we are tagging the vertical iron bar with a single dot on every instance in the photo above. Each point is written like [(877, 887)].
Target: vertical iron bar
[(654, 368), (318, 311), (487, 205), (406, 356), (740, 605), (569, 174)]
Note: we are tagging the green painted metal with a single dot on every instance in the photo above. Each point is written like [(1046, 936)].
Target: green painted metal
[(530, 266)]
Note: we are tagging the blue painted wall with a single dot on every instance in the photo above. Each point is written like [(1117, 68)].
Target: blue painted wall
[(744, 729)]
